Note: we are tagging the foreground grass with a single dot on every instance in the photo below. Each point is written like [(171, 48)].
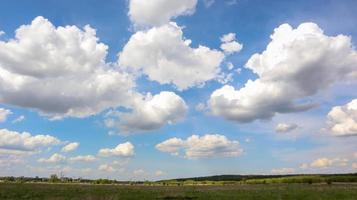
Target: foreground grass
[(261, 192)]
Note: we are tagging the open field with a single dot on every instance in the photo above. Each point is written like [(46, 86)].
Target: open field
[(18, 191)]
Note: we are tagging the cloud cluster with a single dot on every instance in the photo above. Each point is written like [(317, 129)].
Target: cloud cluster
[(342, 120), (206, 146), (13, 140), (285, 127), (149, 113), (159, 12), (4, 113), (229, 44), (287, 72), (165, 56), (70, 147), (125, 150), (65, 66), (326, 162)]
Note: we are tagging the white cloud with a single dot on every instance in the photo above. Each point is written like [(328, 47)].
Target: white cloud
[(229, 37), (206, 146), (321, 163), (125, 149), (106, 168), (285, 127), (149, 113), (160, 173), (342, 120), (60, 71), (326, 162), (283, 171), (158, 12), (115, 166), (172, 145), (4, 113), (2, 33), (70, 147), (24, 141), (224, 78), (165, 56), (229, 45), (55, 158), (87, 158), (230, 66), (19, 119), (287, 70)]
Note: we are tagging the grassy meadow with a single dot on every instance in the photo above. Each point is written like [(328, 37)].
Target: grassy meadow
[(260, 187), (33, 191)]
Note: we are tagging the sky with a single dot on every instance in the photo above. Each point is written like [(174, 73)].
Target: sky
[(150, 90)]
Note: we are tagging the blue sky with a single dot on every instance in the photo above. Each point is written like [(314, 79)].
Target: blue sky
[(149, 94)]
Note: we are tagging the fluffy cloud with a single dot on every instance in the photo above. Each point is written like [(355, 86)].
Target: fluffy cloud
[(87, 158), (326, 162), (172, 145), (13, 140), (206, 146), (283, 171), (149, 113), (60, 71), (158, 12), (287, 72), (229, 45), (284, 127), (165, 56), (70, 147), (342, 120), (125, 149), (106, 168), (55, 158), (3, 114), (115, 166)]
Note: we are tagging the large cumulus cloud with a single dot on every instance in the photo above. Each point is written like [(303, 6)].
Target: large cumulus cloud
[(60, 71), (297, 63)]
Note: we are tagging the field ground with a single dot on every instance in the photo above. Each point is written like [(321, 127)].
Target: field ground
[(32, 191)]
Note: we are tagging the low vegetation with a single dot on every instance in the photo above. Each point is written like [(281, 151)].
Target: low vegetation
[(332, 186), (39, 191)]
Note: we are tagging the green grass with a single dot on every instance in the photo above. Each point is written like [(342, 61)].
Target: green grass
[(111, 192)]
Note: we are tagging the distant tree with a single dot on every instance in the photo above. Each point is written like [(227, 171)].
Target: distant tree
[(54, 178)]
